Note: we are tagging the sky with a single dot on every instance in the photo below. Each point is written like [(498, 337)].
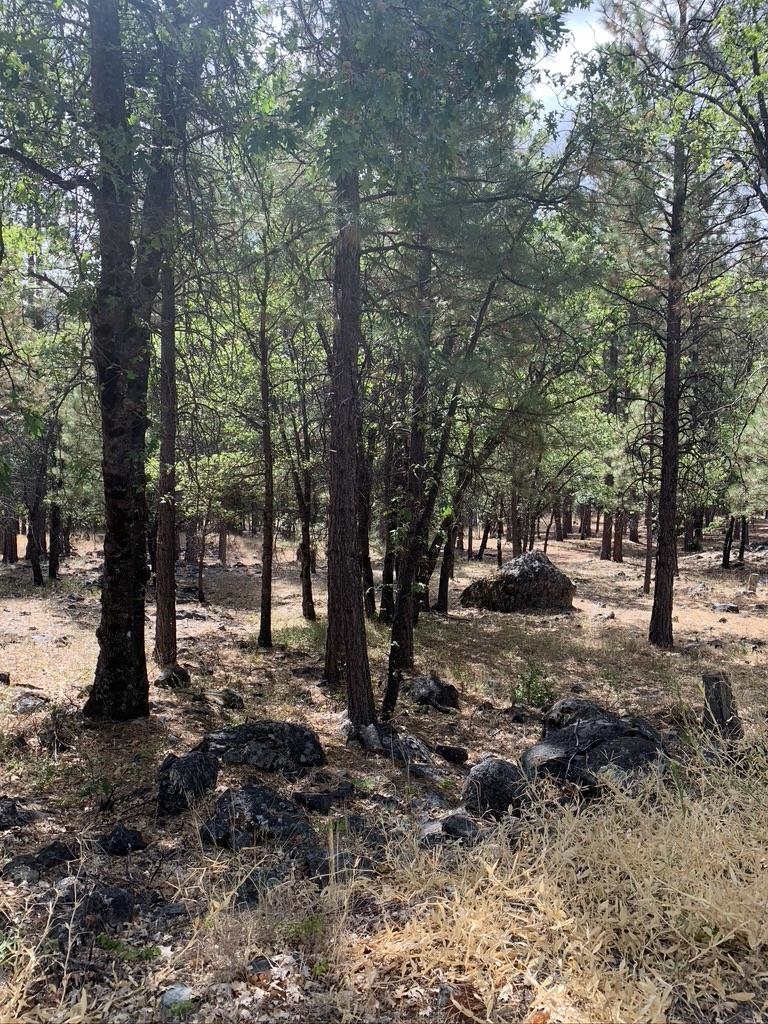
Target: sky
[(585, 31)]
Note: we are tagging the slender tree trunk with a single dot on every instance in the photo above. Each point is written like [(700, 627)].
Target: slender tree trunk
[(557, 516), (634, 528), (165, 544), (364, 528), (484, 540), (728, 543), (743, 539), (267, 454), (54, 547), (446, 572), (223, 540), (346, 652), (567, 516), (607, 539), (470, 520), (201, 560), (618, 537), (648, 543), (660, 631)]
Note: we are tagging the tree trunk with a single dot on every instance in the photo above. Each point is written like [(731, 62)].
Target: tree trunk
[(470, 518), (728, 543), (648, 543), (268, 515), (607, 539), (557, 516), (54, 547), (346, 652), (165, 544), (223, 540), (743, 539), (484, 540), (201, 560), (364, 528), (499, 540), (567, 516), (11, 540), (634, 528), (721, 716), (618, 537), (446, 572)]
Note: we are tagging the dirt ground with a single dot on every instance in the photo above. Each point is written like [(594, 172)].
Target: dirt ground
[(86, 779)]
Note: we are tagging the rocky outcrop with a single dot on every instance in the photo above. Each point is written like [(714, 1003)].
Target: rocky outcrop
[(528, 582), (269, 746), (494, 787)]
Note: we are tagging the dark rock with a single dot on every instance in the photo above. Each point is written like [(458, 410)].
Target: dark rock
[(457, 827), (341, 867), (173, 677), (22, 868), (268, 746), (431, 691), (28, 867), (493, 787), (522, 714), (260, 965), (254, 814), (319, 803), (182, 780), (84, 905), (28, 704), (530, 581), (579, 751), (453, 755), (731, 609), (252, 888), (121, 841), (231, 700), (10, 814), (573, 709), (402, 748), (343, 791), (5, 679)]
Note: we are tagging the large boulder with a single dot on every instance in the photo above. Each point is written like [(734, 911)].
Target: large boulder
[(268, 746), (494, 787), (431, 691), (254, 814), (530, 581), (583, 741)]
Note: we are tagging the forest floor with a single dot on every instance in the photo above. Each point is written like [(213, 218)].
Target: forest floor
[(649, 905)]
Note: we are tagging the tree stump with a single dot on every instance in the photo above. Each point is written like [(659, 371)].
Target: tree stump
[(720, 713)]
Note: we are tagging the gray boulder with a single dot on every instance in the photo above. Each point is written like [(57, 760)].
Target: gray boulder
[(268, 746), (251, 815), (182, 780), (528, 582), (431, 691), (173, 677), (585, 747), (494, 786)]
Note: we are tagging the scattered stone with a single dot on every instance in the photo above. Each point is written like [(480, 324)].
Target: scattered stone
[(5, 678), (457, 826), (319, 803), (451, 754), (28, 704), (22, 869), (173, 677), (231, 700), (584, 747), (606, 615), (530, 581), (86, 907), (431, 691), (121, 841), (28, 867), (254, 814), (494, 787), (182, 780), (268, 746), (572, 709), (402, 748), (10, 814), (176, 1002), (726, 607)]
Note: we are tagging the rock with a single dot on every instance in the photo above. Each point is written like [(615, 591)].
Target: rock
[(341, 867), (260, 965), (493, 787), (250, 891), (10, 815), (27, 867), (319, 803), (431, 691), (585, 747), (268, 746), (254, 814), (182, 780), (85, 906), (402, 748), (21, 869), (530, 581), (176, 1002), (173, 677), (5, 678), (457, 826), (453, 755), (731, 609), (231, 700), (121, 841), (522, 714), (28, 704), (572, 709)]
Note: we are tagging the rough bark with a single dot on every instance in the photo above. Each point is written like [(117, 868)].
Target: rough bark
[(54, 546), (165, 544), (346, 652), (728, 543), (268, 459), (607, 537), (618, 537)]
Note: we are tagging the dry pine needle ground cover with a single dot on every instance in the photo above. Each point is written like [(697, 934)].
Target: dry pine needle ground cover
[(648, 905)]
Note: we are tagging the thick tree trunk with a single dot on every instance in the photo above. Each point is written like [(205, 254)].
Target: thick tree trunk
[(567, 516), (11, 540), (346, 652), (165, 543), (634, 528)]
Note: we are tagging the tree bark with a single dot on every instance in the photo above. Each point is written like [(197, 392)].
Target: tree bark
[(743, 539), (346, 652), (607, 538), (268, 514), (364, 527), (728, 543), (483, 540), (165, 544), (618, 537), (54, 546)]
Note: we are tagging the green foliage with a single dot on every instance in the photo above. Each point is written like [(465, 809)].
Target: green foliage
[(533, 687)]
